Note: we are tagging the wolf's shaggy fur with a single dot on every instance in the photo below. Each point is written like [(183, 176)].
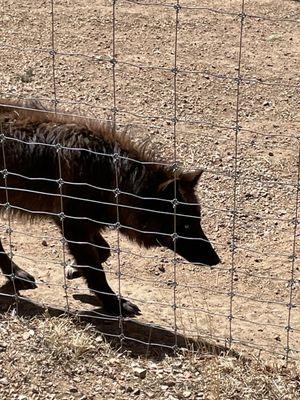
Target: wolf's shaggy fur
[(85, 176)]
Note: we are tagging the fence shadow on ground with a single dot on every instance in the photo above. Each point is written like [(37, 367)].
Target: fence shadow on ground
[(139, 338)]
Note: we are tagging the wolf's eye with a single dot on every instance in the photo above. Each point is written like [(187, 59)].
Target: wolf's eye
[(187, 227)]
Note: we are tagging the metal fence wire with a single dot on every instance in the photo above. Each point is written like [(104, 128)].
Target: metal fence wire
[(194, 301)]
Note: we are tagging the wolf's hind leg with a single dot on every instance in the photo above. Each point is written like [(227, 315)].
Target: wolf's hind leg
[(81, 242)]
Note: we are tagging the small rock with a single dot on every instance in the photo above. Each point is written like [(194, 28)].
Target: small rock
[(27, 335), (162, 268), (273, 37), (140, 372), (136, 392), (170, 383), (267, 103), (177, 364), (44, 242), (186, 394), (3, 346), (4, 382), (73, 390), (22, 397)]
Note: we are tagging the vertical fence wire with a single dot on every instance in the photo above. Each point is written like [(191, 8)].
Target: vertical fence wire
[(9, 230), (237, 128), (177, 8), (60, 181), (9, 224), (116, 160), (292, 282), (53, 56)]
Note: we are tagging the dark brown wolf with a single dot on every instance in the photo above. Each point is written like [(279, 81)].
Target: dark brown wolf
[(86, 178)]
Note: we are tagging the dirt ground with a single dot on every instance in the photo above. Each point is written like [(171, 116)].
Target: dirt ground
[(260, 283)]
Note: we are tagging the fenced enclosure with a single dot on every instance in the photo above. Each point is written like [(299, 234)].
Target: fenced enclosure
[(212, 85)]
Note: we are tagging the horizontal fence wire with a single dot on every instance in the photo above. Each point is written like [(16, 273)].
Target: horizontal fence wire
[(116, 226), (276, 81), (226, 174), (175, 287), (201, 123), (155, 258)]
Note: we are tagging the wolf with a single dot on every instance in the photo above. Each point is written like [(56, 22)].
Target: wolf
[(87, 178)]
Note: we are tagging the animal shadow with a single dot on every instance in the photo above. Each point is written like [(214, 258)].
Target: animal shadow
[(139, 339)]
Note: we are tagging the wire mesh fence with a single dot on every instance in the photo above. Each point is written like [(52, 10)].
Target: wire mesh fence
[(183, 86)]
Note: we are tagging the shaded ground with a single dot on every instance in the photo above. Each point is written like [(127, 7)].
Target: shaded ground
[(256, 284), (53, 358)]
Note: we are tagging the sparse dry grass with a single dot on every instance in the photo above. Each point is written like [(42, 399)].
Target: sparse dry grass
[(57, 358)]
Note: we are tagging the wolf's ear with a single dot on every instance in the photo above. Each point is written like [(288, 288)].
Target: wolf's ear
[(166, 185), (186, 179), (191, 178)]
